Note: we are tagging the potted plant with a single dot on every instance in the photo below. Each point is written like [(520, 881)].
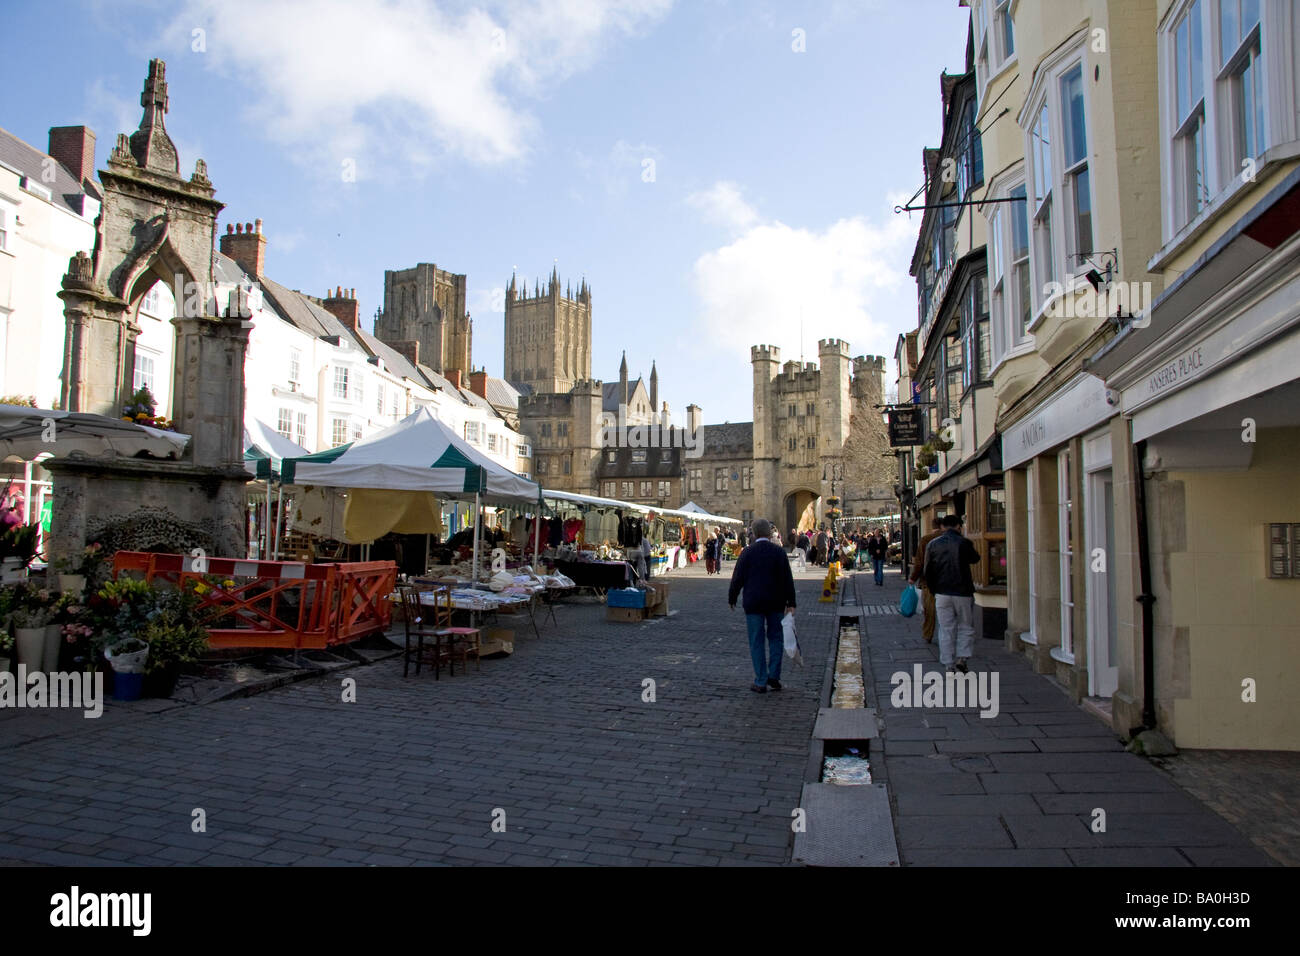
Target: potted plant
[(176, 636), (31, 612), (17, 544), (141, 409), (129, 658), (927, 457), (87, 569)]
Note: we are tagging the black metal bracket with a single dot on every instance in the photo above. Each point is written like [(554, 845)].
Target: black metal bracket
[(949, 205)]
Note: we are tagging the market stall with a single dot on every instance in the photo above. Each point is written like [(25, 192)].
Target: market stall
[(396, 480)]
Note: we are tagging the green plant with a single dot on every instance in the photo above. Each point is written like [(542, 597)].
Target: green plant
[(92, 564), (22, 401), (31, 607), (19, 542), (172, 643)]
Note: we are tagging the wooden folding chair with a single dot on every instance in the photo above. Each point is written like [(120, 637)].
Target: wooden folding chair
[(424, 621)]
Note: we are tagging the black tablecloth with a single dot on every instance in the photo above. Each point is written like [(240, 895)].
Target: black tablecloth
[(596, 574)]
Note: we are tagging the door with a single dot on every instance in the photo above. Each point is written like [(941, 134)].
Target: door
[(1103, 673)]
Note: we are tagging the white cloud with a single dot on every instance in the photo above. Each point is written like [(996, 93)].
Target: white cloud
[(849, 281), (401, 81), (724, 205)]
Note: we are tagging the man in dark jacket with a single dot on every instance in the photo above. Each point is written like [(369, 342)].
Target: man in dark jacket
[(947, 573), (763, 572), (878, 550)]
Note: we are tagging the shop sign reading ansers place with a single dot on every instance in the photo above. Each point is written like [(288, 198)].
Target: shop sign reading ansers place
[(1180, 369)]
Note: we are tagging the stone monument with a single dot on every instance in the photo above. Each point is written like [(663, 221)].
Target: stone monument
[(154, 226)]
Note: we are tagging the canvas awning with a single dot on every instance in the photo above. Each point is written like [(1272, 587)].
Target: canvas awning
[(265, 449), (419, 453), (28, 433)]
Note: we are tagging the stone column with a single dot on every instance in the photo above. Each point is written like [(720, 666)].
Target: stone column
[(208, 395)]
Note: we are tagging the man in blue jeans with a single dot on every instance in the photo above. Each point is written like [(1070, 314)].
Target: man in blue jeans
[(763, 572)]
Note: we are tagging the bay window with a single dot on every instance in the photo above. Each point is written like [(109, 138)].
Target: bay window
[(1225, 65), (1040, 145), (1243, 72), (1075, 144), (1191, 173)]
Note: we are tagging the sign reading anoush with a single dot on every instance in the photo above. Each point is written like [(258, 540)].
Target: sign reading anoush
[(906, 426)]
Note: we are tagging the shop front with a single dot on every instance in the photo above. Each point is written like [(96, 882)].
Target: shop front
[(1211, 391), (1060, 510)]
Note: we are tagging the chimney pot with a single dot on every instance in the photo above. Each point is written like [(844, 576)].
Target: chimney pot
[(230, 230), (248, 227), (258, 223), (239, 228)]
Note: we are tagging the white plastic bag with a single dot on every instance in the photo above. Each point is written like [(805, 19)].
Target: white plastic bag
[(791, 642)]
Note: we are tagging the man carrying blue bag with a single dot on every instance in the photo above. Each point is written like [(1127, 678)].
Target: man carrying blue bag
[(763, 573), (947, 573)]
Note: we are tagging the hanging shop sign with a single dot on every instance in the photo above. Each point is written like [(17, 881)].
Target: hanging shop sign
[(906, 426)]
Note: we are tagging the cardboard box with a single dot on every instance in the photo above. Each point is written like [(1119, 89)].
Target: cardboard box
[(625, 615), (496, 640)]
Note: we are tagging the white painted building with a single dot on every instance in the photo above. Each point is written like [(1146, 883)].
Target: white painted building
[(48, 207)]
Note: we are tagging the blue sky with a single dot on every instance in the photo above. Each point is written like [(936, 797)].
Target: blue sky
[(715, 186)]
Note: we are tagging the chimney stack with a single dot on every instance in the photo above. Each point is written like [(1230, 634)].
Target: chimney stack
[(343, 306), (693, 416), (478, 383), (74, 147), (408, 349), (247, 246), (453, 375)]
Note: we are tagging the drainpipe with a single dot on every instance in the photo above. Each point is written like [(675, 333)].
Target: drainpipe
[(1145, 598)]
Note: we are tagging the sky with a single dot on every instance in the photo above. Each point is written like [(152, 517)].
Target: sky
[(722, 172)]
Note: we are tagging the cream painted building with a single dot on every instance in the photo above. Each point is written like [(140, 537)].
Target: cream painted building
[(1209, 386), (1146, 332)]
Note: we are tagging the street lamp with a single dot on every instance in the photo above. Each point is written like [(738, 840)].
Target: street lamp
[(834, 473)]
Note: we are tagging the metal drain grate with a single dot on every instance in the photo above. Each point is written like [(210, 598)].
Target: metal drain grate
[(846, 826), (879, 609)]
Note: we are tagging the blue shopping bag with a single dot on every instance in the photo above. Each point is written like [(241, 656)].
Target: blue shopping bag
[(910, 600)]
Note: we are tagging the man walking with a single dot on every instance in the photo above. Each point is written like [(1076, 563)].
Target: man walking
[(947, 573), (878, 549), (763, 573), (927, 596)]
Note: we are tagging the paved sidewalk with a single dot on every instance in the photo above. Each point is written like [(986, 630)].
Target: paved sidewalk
[(557, 736), (1024, 787)]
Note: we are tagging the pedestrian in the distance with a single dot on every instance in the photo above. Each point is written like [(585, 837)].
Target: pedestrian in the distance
[(947, 572), (878, 549), (763, 574)]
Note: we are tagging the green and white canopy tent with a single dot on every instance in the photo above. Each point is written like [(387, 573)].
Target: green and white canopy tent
[(418, 454), (265, 448), (264, 451)]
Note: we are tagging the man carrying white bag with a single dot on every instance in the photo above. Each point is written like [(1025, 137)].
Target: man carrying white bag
[(763, 573)]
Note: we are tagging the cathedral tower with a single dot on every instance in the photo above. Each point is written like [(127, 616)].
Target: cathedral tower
[(427, 305), (547, 335)]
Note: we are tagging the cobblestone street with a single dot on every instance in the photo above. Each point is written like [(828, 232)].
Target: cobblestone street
[(557, 736)]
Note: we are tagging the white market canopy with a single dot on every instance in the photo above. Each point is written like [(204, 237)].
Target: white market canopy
[(419, 453), (28, 433), (265, 448), (691, 511)]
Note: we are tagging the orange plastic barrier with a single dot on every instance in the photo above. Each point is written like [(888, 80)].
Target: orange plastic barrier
[(280, 604)]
